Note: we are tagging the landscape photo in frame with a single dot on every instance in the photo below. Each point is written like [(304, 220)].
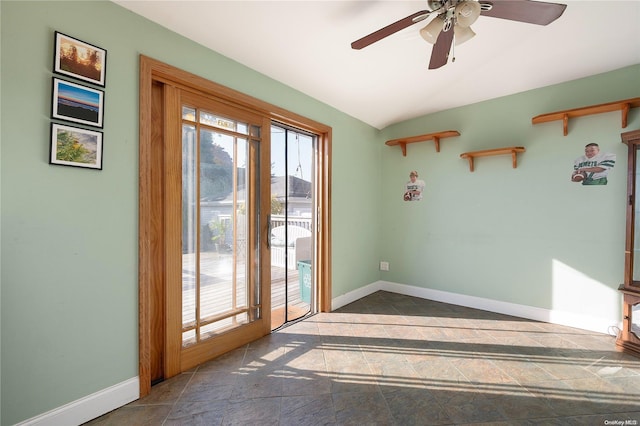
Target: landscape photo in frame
[(77, 103), (78, 59), (76, 147)]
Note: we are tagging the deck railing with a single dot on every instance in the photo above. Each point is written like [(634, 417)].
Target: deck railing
[(282, 220), (276, 221)]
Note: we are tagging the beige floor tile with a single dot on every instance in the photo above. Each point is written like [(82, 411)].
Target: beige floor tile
[(389, 359)]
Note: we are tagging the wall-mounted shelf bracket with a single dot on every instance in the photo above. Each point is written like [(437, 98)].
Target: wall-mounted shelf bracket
[(513, 150), (402, 142), (624, 106)]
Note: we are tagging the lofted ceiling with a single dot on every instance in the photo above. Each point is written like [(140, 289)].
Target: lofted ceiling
[(307, 46)]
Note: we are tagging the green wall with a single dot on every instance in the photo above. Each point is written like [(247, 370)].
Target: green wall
[(527, 235), (69, 302)]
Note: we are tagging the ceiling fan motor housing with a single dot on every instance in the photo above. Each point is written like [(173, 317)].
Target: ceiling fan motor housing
[(435, 5)]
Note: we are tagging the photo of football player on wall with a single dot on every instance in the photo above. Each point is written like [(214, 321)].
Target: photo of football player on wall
[(593, 167), (413, 188)]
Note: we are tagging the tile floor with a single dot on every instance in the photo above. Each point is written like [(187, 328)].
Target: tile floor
[(390, 359)]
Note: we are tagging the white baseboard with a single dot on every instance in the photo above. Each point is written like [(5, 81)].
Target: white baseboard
[(583, 322), (352, 296), (90, 406)]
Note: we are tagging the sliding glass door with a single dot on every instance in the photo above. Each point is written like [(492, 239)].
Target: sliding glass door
[(221, 217)]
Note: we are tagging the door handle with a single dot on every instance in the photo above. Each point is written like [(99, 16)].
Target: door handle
[(269, 231)]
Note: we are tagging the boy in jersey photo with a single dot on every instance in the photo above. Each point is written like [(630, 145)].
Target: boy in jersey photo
[(413, 188), (593, 167)]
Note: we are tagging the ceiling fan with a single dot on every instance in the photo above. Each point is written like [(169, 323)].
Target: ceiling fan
[(454, 18)]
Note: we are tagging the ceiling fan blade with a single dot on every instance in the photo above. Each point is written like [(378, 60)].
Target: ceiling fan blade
[(440, 52), (532, 12), (390, 29)]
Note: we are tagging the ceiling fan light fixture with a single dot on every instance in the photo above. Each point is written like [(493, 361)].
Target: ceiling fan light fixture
[(431, 31), (467, 12), (462, 34)]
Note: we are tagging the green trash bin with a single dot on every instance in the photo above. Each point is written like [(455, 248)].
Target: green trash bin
[(304, 276)]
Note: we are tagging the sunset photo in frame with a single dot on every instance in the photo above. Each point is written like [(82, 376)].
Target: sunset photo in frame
[(78, 59), (77, 103), (76, 147)]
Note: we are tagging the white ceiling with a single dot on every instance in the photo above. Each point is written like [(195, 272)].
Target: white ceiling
[(306, 45)]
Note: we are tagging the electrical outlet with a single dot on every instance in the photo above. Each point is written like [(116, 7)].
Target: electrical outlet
[(384, 266)]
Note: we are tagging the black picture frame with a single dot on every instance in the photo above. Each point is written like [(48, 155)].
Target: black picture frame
[(77, 103), (75, 147), (78, 59)]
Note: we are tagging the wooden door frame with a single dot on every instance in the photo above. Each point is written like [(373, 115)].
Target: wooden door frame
[(150, 227)]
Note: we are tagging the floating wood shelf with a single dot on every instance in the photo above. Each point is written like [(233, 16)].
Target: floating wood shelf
[(513, 150), (624, 106), (422, 138)]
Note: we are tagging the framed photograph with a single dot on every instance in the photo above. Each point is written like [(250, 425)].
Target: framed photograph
[(77, 103), (79, 60), (73, 146)]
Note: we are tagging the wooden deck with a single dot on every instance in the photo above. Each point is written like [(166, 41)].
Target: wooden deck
[(217, 293)]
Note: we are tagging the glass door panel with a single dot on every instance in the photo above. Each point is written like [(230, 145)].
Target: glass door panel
[(292, 224), (220, 199)]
